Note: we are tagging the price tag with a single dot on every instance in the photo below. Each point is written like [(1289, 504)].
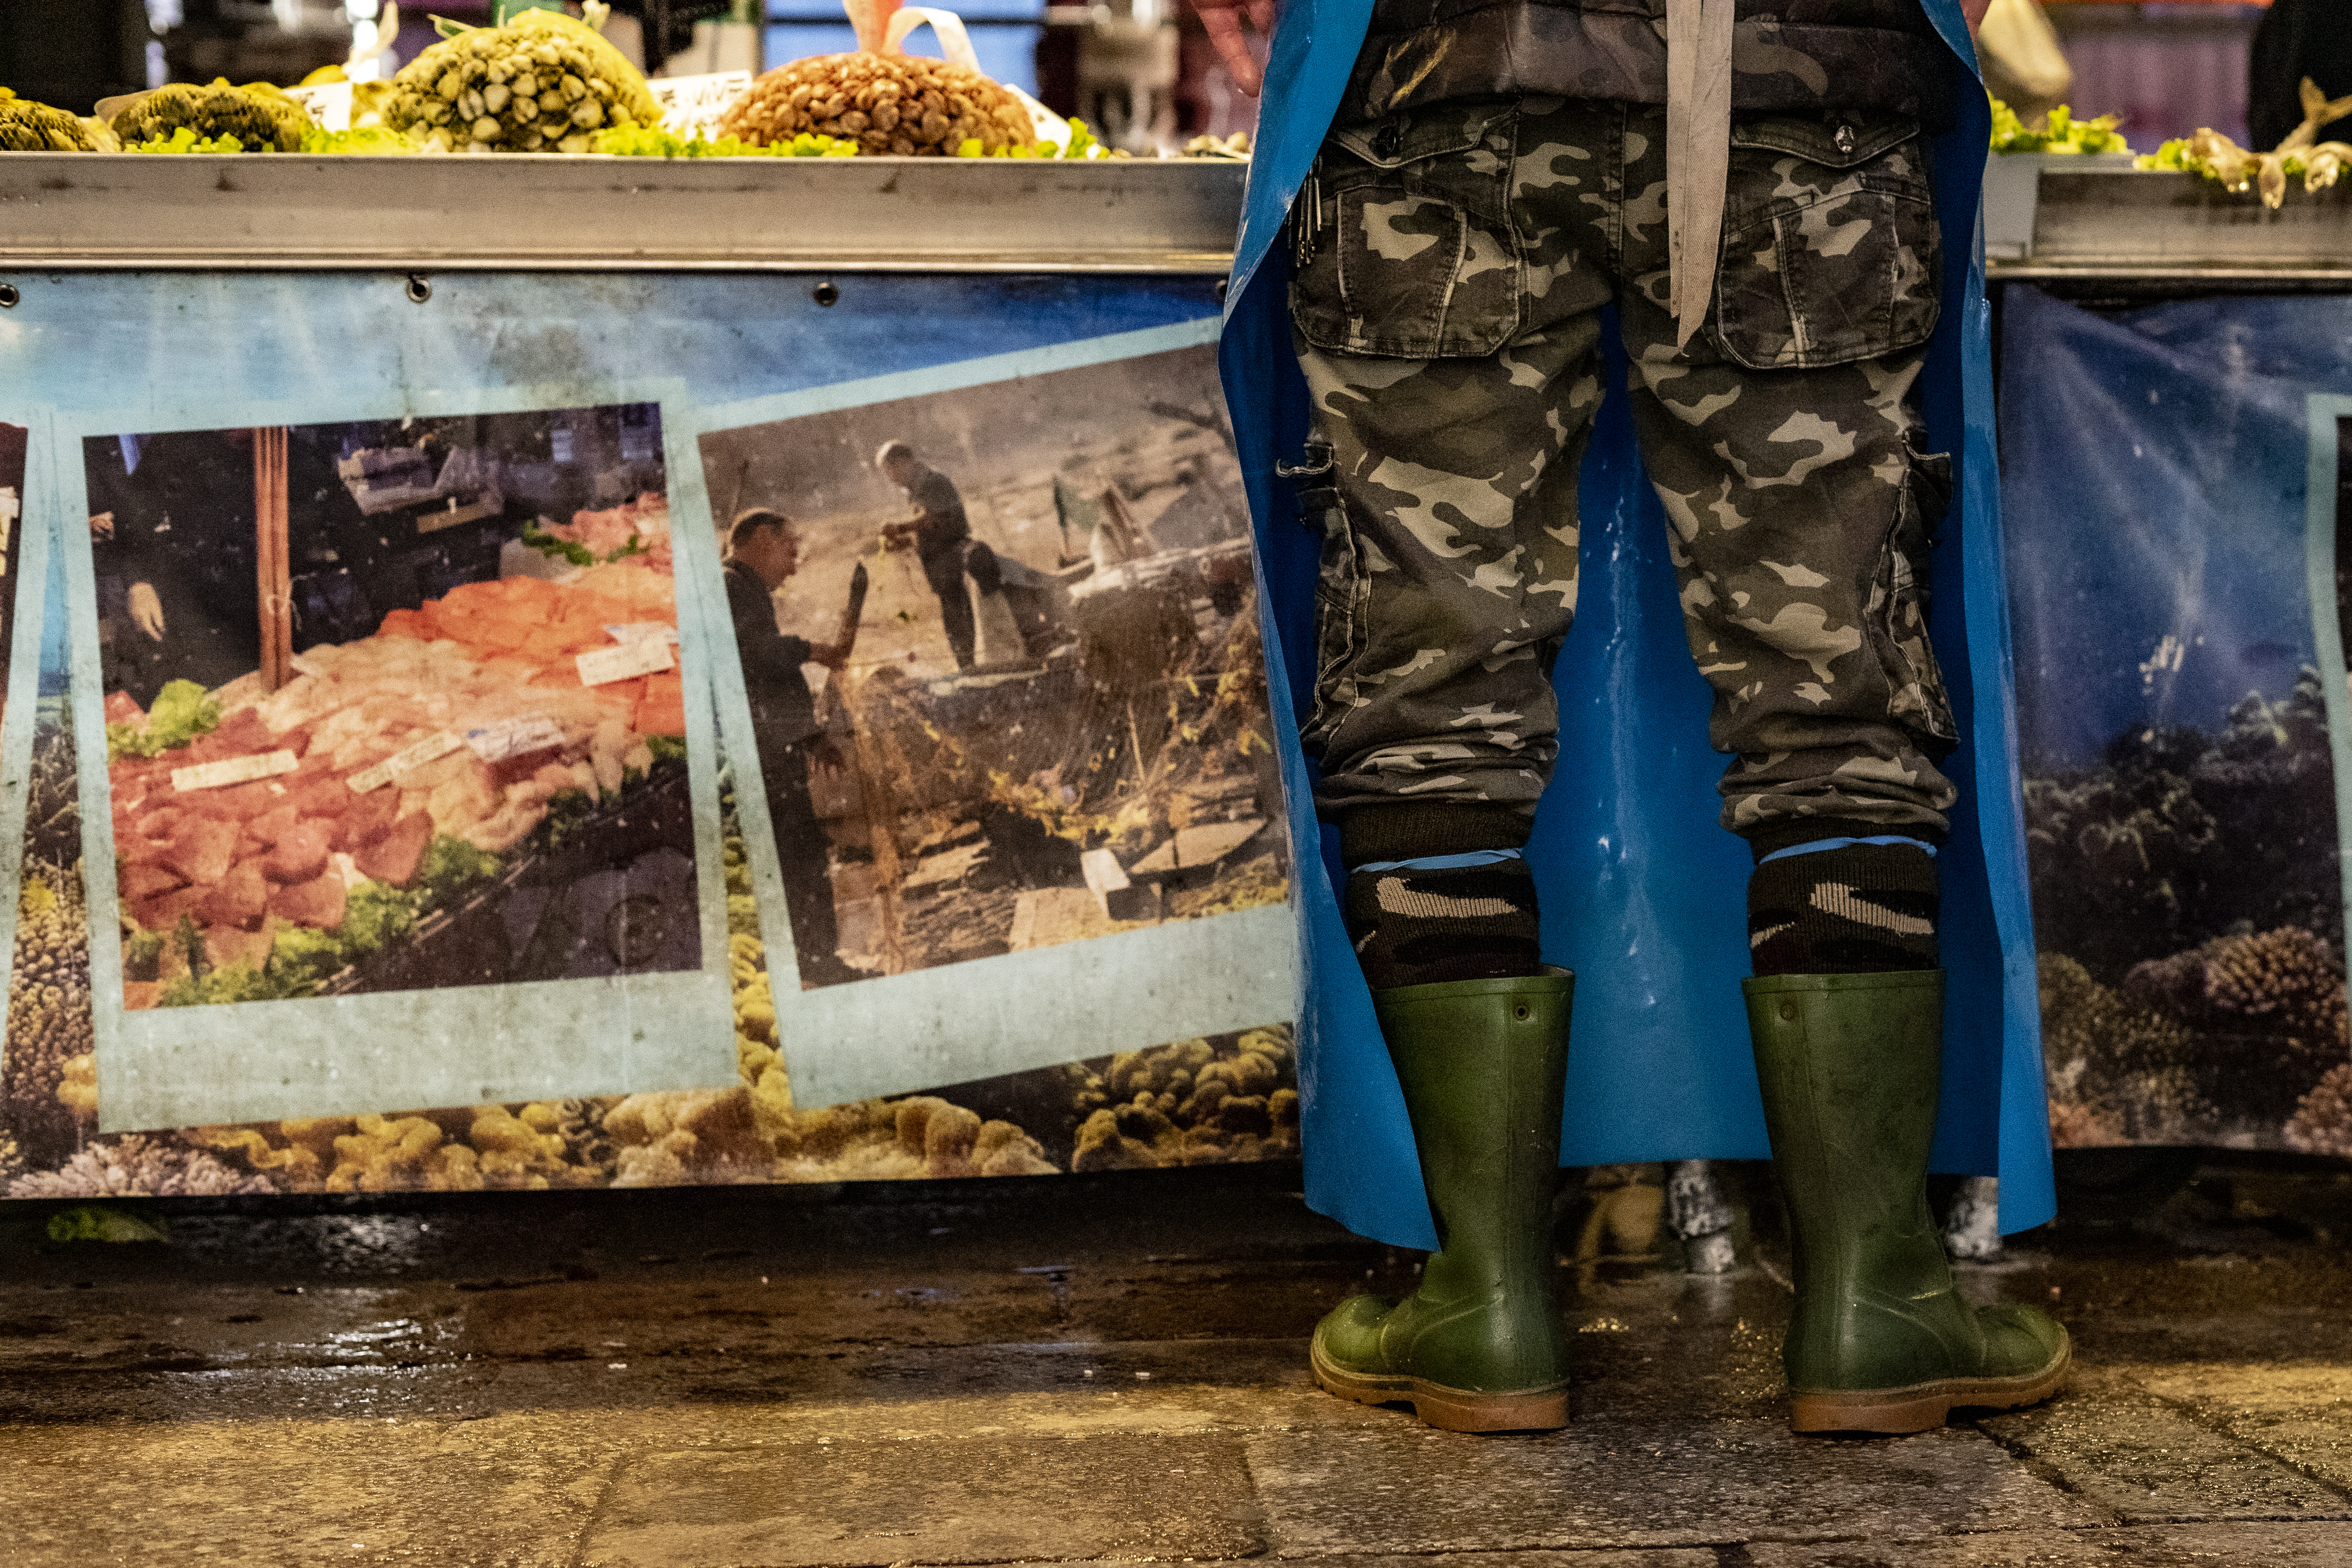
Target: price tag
[(514, 736), (329, 103), (642, 657), (637, 630), (695, 105), (406, 760), (233, 770)]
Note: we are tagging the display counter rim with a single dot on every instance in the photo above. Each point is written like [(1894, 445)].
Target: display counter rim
[(2106, 221), (295, 212)]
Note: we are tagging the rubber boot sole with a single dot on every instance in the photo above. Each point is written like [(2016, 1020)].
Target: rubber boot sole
[(1448, 1409), (1923, 1405)]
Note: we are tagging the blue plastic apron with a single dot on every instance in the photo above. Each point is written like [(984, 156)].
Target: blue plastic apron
[(1642, 892)]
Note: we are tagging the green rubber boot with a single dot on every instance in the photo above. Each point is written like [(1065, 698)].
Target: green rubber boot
[(1880, 1343), (1478, 1346)]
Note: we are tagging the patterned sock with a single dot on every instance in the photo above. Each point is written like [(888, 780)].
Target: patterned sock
[(1844, 906), (1443, 918)]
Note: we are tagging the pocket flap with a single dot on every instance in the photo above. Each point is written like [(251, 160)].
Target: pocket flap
[(1408, 138), (1819, 141)]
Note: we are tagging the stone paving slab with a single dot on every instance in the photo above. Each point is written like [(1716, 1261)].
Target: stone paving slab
[(2126, 1451), (1596, 1557), (974, 1500), (2296, 1411), (273, 1492), (1411, 1490), (2192, 1546)]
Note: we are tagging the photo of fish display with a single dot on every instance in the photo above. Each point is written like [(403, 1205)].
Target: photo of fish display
[(466, 686)]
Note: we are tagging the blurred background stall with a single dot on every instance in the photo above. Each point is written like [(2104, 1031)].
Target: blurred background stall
[(1140, 71)]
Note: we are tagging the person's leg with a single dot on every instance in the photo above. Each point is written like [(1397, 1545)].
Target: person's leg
[(1784, 442), (1786, 451), (944, 572), (1447, 320), (801, 856), (980, 563)]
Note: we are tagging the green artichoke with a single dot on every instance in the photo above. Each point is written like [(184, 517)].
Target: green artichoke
[(257, 114), (540, 83)]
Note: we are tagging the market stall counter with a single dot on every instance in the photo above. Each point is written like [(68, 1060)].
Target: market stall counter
[(576, 671), (1170, 217)]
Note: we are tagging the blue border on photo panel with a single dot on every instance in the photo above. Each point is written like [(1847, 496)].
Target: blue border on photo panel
[(2328, 411), (21, 719), (465, 1045), (985, 1017)]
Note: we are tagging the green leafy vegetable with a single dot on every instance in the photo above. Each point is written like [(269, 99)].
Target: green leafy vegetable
[(566, 810), (554, 548), (452, 865), (183, 140), (182, 711), (366, 140), (141, 953), (1082, 145), (224, 983), (88, 1222), (2061, 133), (301, 957), (375, 915), (641, 141)]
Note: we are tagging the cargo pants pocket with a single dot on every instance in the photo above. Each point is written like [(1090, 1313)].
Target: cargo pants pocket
[(1403, 242), (1831, 249), (1898, 613), (1341, 590)]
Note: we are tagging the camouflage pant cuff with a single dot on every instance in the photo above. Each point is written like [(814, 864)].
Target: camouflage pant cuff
[(1787, 832), (1396, 832)]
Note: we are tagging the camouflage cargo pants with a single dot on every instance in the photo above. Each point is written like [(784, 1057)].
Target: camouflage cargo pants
[(1447, 315)]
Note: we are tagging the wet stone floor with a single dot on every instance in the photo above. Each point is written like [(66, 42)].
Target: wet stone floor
[(1111, 1368)]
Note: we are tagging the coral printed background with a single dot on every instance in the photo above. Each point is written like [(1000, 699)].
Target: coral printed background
[(2175, 681), (2187, 913)]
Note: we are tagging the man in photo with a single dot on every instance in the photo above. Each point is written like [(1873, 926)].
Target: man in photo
[(762, 551), (942, 537), (183, 547)]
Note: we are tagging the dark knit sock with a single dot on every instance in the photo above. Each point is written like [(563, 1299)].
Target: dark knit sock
[(1851, 908), (1443, 918)]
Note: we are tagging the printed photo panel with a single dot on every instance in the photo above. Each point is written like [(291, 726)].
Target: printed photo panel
[(395, 737), (13, 447), (313, 784), (2181, 704), (997, 633)]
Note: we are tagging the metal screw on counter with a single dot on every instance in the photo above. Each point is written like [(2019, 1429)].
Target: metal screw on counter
[(420, 288), (8, 295), (825, 294)]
